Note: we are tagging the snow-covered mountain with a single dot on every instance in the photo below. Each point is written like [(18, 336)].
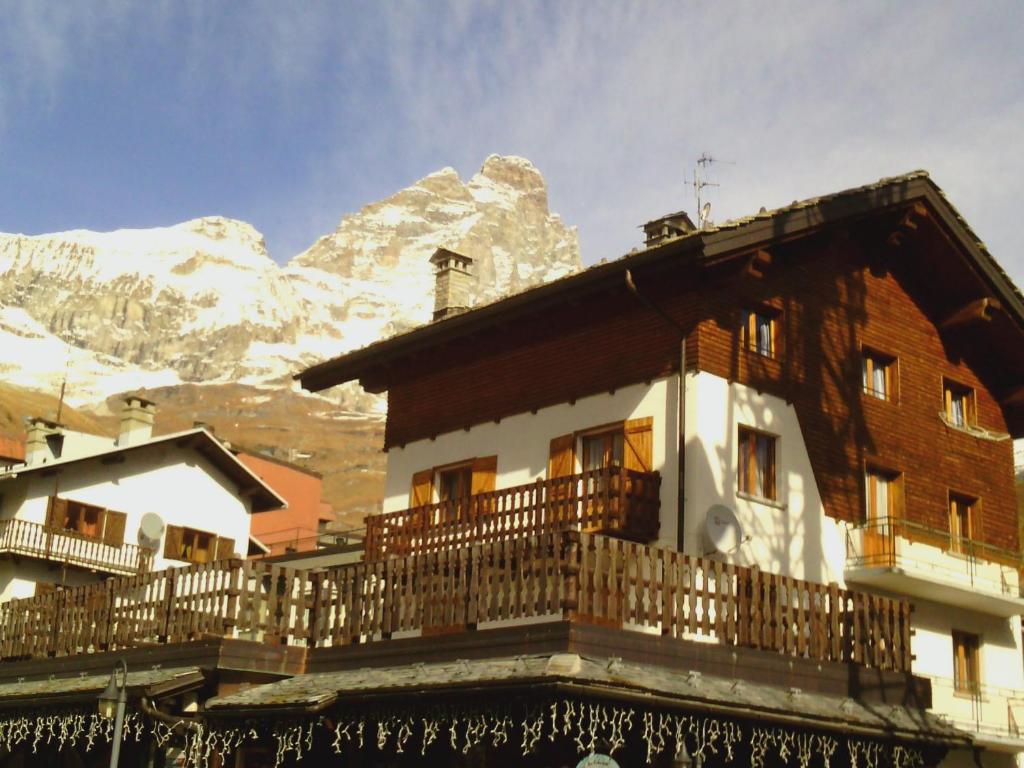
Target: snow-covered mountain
[(203, 302)]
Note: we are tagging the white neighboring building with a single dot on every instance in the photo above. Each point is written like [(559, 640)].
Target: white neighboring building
[(72, 512)]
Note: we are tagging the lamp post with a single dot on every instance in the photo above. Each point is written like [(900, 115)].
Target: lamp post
[(112, 702)]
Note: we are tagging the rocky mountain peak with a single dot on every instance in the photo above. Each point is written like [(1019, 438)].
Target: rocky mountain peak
[(202, 301)]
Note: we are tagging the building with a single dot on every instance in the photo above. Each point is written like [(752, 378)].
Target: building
[(663, 510), (301, 526), (853, 374), (82, 507)]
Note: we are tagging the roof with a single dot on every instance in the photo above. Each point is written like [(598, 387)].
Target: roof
[(263, 496), (11, 448), (57, 690), (707, 244), (688, 690)]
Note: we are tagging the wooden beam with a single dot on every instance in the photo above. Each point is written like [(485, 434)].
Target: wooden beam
[(908, 225), (758, 262), (973, 311)]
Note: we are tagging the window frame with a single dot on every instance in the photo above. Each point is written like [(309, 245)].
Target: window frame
[(966, 676), (869, 357), (745, 482), (952, 388), (461, 469), (959, 544), (894, 495), (749, 322)]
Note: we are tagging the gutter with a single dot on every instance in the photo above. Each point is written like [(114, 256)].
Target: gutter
[(681, 406)]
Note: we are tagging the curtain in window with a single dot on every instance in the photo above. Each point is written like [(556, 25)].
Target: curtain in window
[(764, 335), (956, 410)]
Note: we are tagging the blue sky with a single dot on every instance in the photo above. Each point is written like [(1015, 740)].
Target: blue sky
[(120, 114)]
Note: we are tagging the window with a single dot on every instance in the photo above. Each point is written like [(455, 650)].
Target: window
[(195, 546), (882, 494), (455, 482), (84, 518), (758, 332), (601, 450), (756, 464), (959, 404), (878, 375), (961, 522), (966, 669)]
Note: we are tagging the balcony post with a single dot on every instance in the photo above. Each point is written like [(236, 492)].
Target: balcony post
[(570, 546)]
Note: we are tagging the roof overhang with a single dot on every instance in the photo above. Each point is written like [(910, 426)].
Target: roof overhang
[(249, 484)]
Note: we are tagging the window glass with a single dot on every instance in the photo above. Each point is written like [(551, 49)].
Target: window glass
[(758, 332), (756, 463), (966, 666), (959, 404), (878, 375)]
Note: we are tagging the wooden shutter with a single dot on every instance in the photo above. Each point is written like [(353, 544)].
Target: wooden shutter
[(560, 456), (225, 548), (173, 541), (485, 474), (113, 528), (639, 445), (422, 488), (56, 512)]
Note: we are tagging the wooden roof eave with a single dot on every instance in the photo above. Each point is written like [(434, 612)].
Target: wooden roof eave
[(366, 364)]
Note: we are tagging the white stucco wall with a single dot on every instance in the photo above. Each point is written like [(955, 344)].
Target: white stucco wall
[(793, 536), (522, 444), (178, 484)]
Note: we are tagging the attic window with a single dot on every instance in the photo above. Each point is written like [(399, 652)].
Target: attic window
[(878, 374), (758, 331), (959, 404)]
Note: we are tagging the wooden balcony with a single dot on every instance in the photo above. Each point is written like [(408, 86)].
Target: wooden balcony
[(563, 576), (60, 545), (611, 500)]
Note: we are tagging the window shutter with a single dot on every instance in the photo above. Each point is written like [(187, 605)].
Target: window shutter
[(560, 456), (56, 512), (422, 488), (485, 472), (225, 548), (173, 541), (639, 443), (113, 528)]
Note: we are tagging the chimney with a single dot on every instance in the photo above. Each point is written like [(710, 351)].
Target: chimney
[(137, 417), (453, 284), (44, 442), (667, 227)]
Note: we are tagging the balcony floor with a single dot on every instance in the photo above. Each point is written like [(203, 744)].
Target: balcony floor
[(928, 586)]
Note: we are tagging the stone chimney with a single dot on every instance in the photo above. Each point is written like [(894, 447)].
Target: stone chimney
[(667, 227), (44, 442), (454, 283), (137, 417)]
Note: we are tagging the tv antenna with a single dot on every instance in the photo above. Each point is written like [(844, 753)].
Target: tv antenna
[(701, 181)]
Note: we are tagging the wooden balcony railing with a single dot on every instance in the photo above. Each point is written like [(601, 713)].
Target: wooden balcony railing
[(28, 539), (558, 576), (610, 500)]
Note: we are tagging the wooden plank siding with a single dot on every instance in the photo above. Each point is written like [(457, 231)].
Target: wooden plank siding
[(832, 300), (586, 578)]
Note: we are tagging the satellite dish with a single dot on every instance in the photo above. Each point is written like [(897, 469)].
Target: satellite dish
[(151, 528), (723, 529)]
